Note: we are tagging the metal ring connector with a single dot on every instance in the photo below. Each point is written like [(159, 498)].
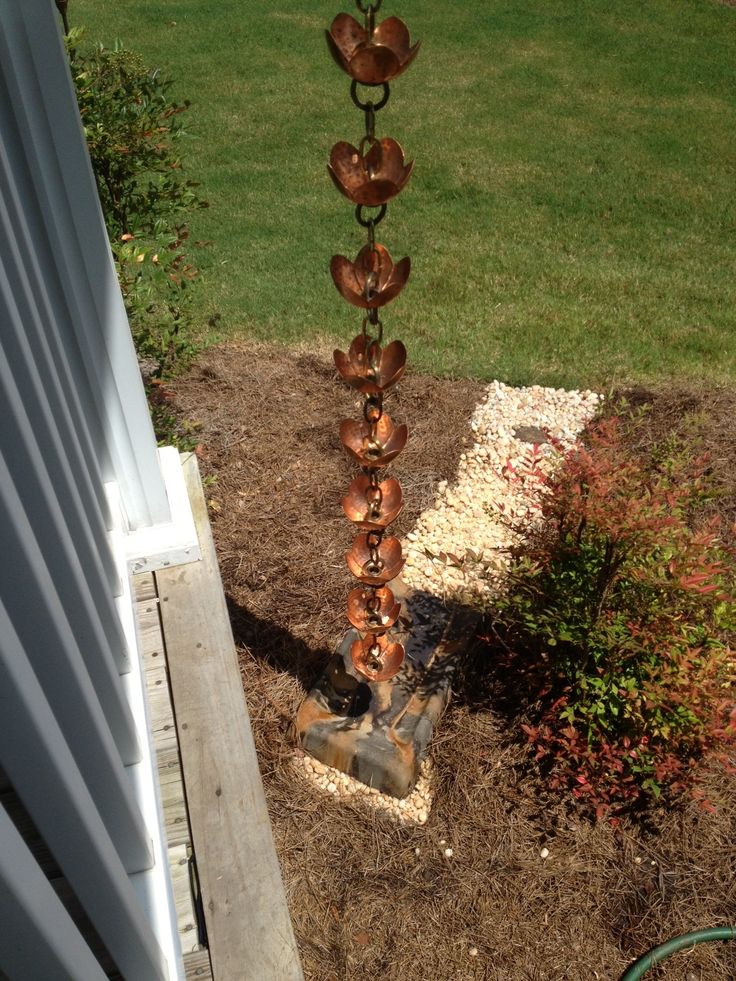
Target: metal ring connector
[(366, 106), (367, 222)]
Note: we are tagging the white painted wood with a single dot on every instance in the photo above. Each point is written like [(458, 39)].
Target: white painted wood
[(37, 308), (28, 590), (48, 123), (38, 940), (45, 776), (37, 458), (174, 542), (59, 324)]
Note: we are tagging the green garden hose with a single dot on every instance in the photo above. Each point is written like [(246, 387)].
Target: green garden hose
[(657, 954)]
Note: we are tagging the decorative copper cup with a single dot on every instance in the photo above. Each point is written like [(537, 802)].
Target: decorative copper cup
[(376, 658), (372, 179), (371, 59), (372, 508), (372, 280), (372, 610), (389, 565), (373, 444), (369, 367)]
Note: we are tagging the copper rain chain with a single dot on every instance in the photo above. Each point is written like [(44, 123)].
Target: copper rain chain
[(370, 175)]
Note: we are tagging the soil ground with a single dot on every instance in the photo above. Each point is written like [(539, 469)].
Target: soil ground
[(370, 900)]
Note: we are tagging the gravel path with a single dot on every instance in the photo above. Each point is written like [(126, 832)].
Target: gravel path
[(465, 522)]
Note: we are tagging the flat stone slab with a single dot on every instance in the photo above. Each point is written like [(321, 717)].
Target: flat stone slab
[(379, 732), (531, 434)]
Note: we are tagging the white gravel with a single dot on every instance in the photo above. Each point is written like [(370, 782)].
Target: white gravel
[(413, 809), (465, 522)]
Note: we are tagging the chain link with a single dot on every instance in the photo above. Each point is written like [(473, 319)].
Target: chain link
[(378, 324), (373, 220), (385, 93)]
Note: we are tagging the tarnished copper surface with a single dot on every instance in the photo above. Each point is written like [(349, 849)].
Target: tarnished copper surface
[(369, 450), (372, 179), (369, 367), (389, 565), (370, 508), (371, 59), (372, 610), (372, 280), (377, 658)]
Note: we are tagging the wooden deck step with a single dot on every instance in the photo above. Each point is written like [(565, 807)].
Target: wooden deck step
[(249, 929)]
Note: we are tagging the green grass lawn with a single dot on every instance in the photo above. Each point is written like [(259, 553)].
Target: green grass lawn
[(571, 218)]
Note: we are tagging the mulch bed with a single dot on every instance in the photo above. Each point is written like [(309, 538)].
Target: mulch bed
[(366, 906)]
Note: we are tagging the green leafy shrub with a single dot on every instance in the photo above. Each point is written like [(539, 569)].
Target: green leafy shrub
[(617, 616), (132, 127)]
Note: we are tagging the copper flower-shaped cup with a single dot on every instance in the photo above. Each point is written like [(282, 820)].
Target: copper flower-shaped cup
[(372, 508), (375, 448), (372, 179), (376, 658), (371, 59), (389, 562), (372, 611), (369, 367), (372, 280)]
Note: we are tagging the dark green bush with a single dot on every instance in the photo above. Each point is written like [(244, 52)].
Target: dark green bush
[(617, 618), (133, 128)]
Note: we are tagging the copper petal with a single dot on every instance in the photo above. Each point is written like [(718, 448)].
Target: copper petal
[(390, 558), (337, 55), (373, 179), (373, 64), (377, 261), (392, 166), (389, 660), (394, 34), (375, 267), (347, 34), (366, 620), (393, 364), (389, 442), (356, 503), (346, 167), (356, 370)]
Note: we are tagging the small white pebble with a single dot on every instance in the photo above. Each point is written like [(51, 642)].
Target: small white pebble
[(448, 853), (637, 861), (473, 951), (544, 853), (417, 850), (442, 841)]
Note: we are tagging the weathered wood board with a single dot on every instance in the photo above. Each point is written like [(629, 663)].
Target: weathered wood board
[(248, 924)]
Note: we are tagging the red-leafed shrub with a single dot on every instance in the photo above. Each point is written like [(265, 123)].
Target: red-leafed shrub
[(617, 617)]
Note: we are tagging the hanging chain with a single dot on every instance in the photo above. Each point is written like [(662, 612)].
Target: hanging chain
[(379, 440)]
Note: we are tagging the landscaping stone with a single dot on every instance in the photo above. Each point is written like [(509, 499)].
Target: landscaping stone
[(378, 732)]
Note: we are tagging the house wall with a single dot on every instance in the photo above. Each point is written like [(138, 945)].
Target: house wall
[(80, 478)]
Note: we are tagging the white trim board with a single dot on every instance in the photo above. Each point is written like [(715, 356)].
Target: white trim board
[(172, 543)]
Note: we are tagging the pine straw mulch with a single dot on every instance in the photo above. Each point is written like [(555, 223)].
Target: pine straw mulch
[(365, 906)]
